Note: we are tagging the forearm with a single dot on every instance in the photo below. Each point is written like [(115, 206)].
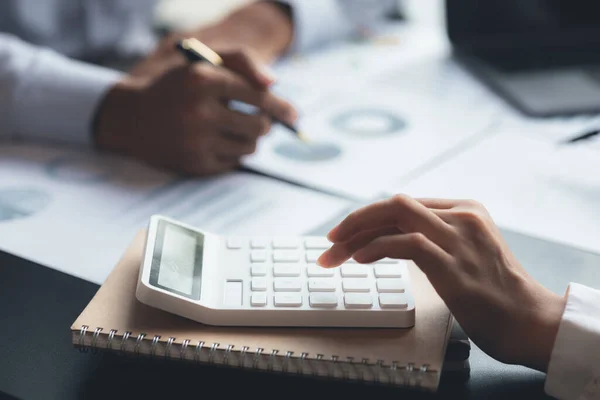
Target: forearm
[(262, 27), (46, 96)]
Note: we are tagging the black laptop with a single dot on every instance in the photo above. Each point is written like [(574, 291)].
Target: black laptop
[(542, 56)]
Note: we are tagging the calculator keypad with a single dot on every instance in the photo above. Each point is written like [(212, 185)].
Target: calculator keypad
[(283, 273)]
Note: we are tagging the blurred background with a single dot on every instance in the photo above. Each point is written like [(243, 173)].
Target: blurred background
[(189, 13)]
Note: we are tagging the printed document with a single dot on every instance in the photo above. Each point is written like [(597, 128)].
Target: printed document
[(76, 211), (362, 140)]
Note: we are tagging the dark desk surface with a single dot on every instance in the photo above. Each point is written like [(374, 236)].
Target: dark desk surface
[(37, 360)]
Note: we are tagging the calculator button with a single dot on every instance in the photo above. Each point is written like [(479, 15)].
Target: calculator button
[(387, 261), (259, 243), (286, 256), (321, 285), (259, 284), (388, 271), (323, 300), (235, 243), (258, 256), (356, 285), (259, 269), (350, 261), (286, 243), (232, 293), (315, 270), (317, 243), (287, 300), (358, 300), (393, 300), (286, 270), (313, 255), (287, 285), (258, 299), (354, 271), (390, 285)]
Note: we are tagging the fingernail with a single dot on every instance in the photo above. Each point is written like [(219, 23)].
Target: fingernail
[(268, 74), (331, 235), (292, 115)]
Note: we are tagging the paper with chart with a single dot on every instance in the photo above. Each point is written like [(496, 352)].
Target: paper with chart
[(77, 211), (529, 185), (364, 139)]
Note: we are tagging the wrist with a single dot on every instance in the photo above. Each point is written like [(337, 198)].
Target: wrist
[(544, 329), (116, 115)]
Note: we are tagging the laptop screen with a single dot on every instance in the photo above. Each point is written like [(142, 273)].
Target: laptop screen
[(523, 23)]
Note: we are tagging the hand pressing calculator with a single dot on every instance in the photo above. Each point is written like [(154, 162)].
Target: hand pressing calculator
[(267, 281)]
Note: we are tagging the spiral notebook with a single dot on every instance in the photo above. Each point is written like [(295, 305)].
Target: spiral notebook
[(115, 321)]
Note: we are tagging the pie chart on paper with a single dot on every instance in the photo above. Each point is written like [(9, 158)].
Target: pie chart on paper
[(368, 122), (16, 203)]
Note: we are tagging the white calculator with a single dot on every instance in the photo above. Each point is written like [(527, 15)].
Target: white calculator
[(267, 281)]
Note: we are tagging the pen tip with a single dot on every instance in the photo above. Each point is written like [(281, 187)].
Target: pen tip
[(303, 137)]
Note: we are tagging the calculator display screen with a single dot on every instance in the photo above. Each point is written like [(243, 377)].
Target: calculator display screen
[(177, 260)]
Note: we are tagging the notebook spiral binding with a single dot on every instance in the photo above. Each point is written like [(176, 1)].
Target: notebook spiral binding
[(408, 375)]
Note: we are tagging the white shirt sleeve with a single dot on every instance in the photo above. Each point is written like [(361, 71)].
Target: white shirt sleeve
[(322, 21), (574, 369), (46, 96)]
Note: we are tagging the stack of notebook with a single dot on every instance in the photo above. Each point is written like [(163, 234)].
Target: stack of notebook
[(115, 321)]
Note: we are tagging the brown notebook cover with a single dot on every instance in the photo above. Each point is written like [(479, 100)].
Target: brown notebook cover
[(115, 321)]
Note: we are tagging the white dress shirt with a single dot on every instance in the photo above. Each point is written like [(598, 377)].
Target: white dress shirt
[(45, 94), (574, 369)]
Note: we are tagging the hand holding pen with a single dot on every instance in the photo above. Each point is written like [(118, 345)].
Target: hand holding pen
[(179, 120), (197, 52)]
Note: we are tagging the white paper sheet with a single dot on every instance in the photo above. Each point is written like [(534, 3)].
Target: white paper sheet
[(304, 78), (529, 185), (77, 211), (442, 78), (364, 139)]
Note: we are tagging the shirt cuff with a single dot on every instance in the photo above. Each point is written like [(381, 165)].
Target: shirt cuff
[(57, 97), (574, 367), (317, 22)]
